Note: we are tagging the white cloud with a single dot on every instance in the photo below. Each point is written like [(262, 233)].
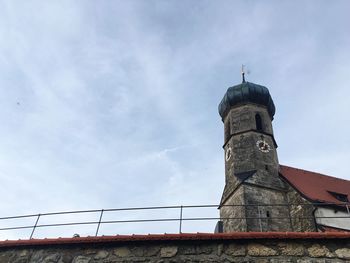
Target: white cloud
[(115, 104)]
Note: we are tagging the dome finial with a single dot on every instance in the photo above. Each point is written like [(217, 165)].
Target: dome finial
[(242, 71)]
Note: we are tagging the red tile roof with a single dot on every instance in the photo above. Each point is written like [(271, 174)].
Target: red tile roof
[(315, 186), (176, 237)]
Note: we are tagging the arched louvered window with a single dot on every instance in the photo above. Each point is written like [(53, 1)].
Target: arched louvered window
[(258, 122)]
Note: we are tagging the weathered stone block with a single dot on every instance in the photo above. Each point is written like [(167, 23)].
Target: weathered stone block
[(65, 258), (317, 251), (23, 253), (53, 258), (187, 250), (343, 253), (204, 249), (81, 259), (122, 252), (235, 250), (151, 251), (261, 250), (101, 254), (291, 249), (168, 252), (37, 256), (137, 251)]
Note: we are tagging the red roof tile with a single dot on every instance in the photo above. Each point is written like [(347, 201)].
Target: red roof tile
[(176, 237), (315, 186)]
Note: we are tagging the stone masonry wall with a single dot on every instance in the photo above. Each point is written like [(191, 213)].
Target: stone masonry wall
[(238, 212), (236, 250), (242, 118), (269, 214), (301, 212)]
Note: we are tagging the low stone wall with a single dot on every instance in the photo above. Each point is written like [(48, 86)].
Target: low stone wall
[(234, 247)]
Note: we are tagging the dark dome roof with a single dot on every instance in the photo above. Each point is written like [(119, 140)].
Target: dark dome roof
[(244, 93)]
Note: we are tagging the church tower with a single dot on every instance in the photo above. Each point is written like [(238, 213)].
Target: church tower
[(254, 197)]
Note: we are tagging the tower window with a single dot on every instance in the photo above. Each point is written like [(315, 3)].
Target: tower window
[(258, 122)]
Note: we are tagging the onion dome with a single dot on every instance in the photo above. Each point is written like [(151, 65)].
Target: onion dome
[(246, 92)]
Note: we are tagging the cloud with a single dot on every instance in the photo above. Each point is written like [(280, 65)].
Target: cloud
[(115, 104)]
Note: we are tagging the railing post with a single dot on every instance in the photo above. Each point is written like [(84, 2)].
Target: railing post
[(180, 227), (34, 227), (99, 223)]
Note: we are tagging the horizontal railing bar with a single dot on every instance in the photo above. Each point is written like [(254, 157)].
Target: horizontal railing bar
[(163, 220), (17, 217), (109, 222), (163, 207), (141, 220), (99, 210), (345, 205), (49, 214), (16, 227), (68, 224)]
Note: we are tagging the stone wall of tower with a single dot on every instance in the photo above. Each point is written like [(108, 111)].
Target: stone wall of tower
[(301, 212), (266, 209), (247, 157), (242, 138), (232, 213), (255, 208), (242, 118), (255, 197)]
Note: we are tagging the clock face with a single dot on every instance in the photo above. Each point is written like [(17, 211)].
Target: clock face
[(263, 146), (228, 153)]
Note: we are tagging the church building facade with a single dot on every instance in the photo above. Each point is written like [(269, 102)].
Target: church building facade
[(260, 194)]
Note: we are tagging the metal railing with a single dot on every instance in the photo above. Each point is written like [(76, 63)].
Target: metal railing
[(180, 219)]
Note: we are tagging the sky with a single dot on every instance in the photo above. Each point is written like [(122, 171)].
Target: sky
[(109, 104)]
